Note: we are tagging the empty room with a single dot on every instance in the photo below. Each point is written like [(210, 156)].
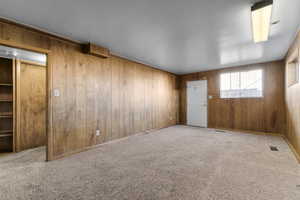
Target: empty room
[(150, 100)]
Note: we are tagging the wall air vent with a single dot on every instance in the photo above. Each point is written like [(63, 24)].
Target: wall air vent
[(220, 131), (274, 148)]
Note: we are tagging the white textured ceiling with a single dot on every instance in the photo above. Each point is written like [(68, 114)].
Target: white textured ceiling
[(180, 36)]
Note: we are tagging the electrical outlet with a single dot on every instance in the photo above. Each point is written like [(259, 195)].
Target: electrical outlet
[(97, 132)]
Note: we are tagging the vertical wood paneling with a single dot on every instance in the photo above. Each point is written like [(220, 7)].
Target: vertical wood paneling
[(265, 114), (117, 99), (292, 98), (148, 98), (157, 98), (139, 99), (117, 96)]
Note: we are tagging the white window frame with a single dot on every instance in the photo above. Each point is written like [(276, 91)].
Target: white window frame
[(240, 72)]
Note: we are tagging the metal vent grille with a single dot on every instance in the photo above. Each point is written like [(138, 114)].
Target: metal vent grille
[(273, 148), (220, 131)]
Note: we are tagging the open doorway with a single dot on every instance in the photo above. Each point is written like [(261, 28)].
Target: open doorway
[(23, 100)]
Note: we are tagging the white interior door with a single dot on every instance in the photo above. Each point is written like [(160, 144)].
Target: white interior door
[(197, 103)]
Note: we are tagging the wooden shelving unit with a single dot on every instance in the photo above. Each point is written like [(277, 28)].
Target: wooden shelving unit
[(6, 105)]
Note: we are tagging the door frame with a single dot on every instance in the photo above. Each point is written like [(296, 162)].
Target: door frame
[(207, 105), (49, 86)]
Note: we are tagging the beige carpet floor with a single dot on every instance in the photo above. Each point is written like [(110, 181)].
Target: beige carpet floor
[(175, 163)]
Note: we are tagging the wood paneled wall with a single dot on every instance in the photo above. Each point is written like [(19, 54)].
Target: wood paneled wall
[(265, 114), (292, 98), (117, 96)]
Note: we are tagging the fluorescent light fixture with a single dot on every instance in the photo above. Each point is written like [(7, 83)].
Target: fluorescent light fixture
[(261, 20)]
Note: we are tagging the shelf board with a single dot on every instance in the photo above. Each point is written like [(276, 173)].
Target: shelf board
[(6, 84), (6, 135), (6, 100), (5, 131), (5, 114)]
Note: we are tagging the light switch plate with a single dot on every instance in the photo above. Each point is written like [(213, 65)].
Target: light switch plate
[(97, 132), (56, 92)]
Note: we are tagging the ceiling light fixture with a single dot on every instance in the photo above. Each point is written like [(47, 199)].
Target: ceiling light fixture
[(261, 20)]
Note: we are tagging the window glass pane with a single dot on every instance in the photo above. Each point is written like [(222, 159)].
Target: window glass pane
[(225, 81), (235, 80), (242, 84)]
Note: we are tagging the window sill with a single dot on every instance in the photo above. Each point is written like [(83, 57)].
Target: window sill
[(241, 97)]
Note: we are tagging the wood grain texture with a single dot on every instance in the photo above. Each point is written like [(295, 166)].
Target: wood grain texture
[(265, 114), (292, 99), (31, 106), (6, 144), (6, 71), (107, 95), (6, 105), (114, 95), (96, 50)]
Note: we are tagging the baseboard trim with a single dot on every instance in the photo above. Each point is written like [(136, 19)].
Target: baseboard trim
[(102, 144), (249, 132), (92, 147), (239, 130), (297, 155)]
